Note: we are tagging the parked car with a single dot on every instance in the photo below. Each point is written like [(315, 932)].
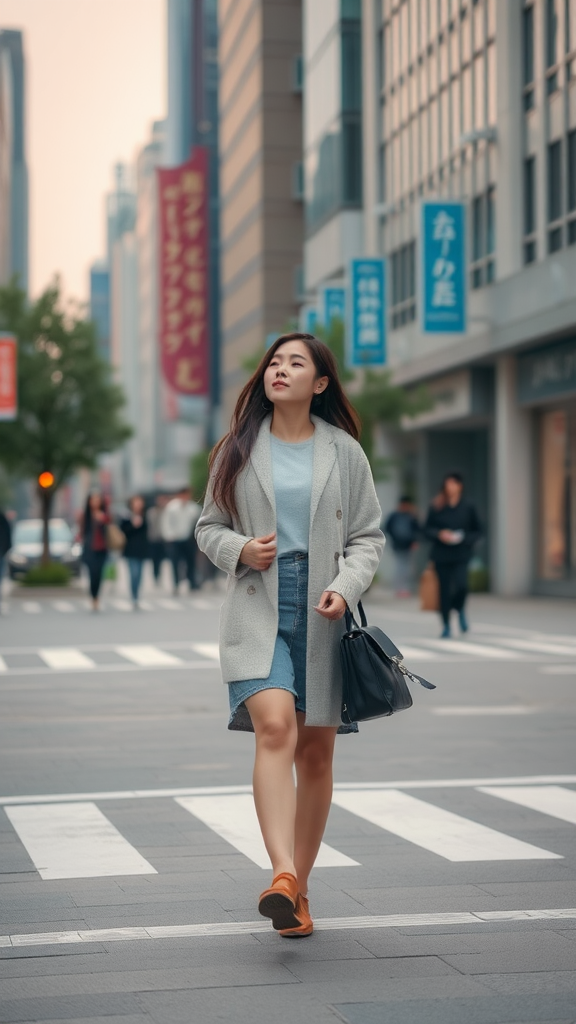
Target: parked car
[(26, 551)]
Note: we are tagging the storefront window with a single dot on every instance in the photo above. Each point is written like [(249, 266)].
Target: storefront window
[(558, 494)]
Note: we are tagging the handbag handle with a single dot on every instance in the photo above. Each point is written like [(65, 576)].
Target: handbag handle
[(351, 621)]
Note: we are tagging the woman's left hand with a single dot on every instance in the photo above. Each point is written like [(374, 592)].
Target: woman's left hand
[(331, 605)]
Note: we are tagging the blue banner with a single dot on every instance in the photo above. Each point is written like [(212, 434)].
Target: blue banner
[(367, 316), (333, 304), (308, 319), (443, 253)]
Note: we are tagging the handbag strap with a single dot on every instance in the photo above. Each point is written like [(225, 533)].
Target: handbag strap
[(351, 621)]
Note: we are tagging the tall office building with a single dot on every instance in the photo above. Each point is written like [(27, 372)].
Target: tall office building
[(13, 168), (332, 55), (100, 305), (193, 121), (476, 100), (261, 229)]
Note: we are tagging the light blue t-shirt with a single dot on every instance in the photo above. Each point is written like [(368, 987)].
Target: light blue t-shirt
[(292, 475)]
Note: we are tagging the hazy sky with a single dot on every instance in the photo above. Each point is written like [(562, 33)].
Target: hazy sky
[(95, 79)]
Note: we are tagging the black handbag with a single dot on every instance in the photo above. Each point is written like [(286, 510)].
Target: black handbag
[(374, 678)]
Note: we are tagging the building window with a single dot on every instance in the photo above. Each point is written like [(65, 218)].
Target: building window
[(483, 269), (529, 209), (298, 180), (551, 33), (555, 192), (297, 73), (403, 275), (528, 45), (571, 148)]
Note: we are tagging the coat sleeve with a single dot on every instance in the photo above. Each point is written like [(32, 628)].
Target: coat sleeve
[(365, 541), (217, 538)]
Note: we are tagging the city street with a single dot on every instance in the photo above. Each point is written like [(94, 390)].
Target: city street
[(131, 861)]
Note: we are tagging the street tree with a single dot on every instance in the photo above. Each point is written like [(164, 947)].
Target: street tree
[(69, 407)]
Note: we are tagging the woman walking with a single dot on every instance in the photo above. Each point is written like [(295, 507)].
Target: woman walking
[(454, 527), (291, 515), (93, 525), (135, 530)]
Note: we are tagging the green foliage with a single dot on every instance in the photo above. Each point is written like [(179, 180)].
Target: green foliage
[(69, 406), (334, 337), (199, 474), (53, 574)]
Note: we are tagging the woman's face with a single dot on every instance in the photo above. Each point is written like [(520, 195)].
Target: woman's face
[(452, 490), (291, 375), (137, 505)]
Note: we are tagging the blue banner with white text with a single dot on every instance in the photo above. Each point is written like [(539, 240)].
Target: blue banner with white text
[(367, 313), (443, 298)]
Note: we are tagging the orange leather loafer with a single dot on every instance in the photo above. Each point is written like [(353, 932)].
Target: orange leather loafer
[(306, 926), (279, 902)]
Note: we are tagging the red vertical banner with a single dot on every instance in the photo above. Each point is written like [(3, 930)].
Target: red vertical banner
[(184, 293), (8, 378)]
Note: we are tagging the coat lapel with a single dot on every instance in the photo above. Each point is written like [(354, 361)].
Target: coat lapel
[(324, 457), (261, 460)]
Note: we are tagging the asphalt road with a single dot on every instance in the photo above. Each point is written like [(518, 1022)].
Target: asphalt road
[(130, 864)]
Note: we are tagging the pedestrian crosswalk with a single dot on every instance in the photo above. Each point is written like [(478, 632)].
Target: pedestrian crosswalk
[(65, 837), (110, 603), (108, 658), (170, 654)]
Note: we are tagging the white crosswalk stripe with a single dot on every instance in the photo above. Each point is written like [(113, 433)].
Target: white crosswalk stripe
[(466, 647), (207, 650), (555, 801), (147, 654), (234, 818), (449, 835), (3, 665), (73, 838), (63, 606), (75, 841), (65, 658), (31, 607)]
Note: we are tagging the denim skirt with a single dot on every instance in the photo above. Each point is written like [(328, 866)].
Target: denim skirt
[(288, 669)]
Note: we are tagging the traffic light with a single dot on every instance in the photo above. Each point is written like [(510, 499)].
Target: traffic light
[(46, 481)]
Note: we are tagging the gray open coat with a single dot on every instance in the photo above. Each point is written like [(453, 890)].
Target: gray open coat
[(344, 551)]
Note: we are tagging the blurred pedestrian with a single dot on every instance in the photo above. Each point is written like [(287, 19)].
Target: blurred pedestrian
[(403, 529), (5, 545), (156, 545), (135, 529), (177, 525), (291, 515), (93, 524), (453, 527)]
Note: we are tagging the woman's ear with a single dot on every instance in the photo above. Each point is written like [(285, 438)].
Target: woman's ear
[(321, 385)]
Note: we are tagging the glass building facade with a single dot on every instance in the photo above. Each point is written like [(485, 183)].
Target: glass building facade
[(333, 116)]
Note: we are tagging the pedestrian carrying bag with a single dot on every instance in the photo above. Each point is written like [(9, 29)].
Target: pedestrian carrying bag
[(429, 590), (374, 678)]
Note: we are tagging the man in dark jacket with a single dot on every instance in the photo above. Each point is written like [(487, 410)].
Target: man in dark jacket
[(453, 527), (5, 545), (403, 529)]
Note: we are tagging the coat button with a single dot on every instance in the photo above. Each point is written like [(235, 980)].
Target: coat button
[(251, 590), (339, 514)]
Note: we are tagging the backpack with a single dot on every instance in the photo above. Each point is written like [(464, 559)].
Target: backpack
[(401, 528)]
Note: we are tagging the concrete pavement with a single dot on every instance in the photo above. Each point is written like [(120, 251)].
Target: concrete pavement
[(130, 864)]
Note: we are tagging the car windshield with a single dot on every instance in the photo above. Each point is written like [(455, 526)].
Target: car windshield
[(30, 532)]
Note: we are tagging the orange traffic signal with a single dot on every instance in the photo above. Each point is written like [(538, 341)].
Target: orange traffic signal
[(46, 480)]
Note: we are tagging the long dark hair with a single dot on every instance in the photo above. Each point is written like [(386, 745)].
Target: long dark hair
[(228, 458), (87, 519)]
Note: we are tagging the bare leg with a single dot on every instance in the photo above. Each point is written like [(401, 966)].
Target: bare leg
[(313, 759), (274, 720)]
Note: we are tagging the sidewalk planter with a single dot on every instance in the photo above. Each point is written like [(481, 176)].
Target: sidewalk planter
[(51, 575)]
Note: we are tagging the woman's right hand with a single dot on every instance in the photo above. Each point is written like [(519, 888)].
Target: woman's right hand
[(259, 553)]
